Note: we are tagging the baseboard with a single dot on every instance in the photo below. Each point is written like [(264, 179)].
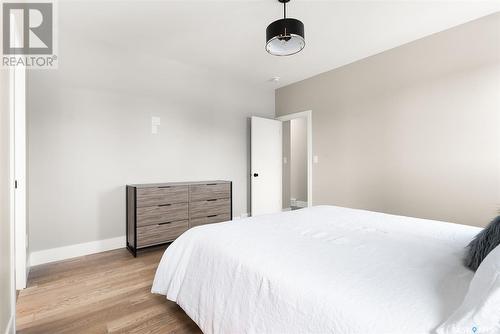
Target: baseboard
[(71, 251), (243, 215), (301, 204), (10, 325)]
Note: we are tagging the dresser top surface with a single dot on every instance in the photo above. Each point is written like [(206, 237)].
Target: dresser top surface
[(153, 185)]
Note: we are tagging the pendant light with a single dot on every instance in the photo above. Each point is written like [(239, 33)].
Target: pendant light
[(285, 37)]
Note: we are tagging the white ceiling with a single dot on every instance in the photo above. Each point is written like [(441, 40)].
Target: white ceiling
[(229, 36)]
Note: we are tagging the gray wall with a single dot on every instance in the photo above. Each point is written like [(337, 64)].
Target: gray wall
[(91, 135), (6, 256), (412, 131), (298, 159)]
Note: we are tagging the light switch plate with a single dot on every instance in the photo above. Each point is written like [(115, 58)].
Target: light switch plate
[(155, 120), (315, 159)]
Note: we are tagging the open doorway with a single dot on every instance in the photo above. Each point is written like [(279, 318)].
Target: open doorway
[(297, 160)]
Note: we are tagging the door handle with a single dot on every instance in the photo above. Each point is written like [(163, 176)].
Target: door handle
[(255, 174)]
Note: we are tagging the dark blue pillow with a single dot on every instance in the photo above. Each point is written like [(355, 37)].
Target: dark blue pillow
[(483, 244)]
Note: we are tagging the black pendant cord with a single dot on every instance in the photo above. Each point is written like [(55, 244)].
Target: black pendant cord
[(284, 10)]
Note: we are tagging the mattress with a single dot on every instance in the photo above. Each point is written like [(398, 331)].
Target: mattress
[(323, 269)]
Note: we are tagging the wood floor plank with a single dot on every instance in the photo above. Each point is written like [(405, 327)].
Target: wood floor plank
[(102, 293)]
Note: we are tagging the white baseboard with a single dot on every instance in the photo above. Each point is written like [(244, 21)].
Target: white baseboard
[(243, 215), (301, 204), (71, 251), (10, 325), (297, 203)]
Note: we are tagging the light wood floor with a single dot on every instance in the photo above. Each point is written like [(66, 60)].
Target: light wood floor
[(102, 293)]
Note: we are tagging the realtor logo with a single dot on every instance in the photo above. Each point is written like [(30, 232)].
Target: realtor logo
[(28, 34)]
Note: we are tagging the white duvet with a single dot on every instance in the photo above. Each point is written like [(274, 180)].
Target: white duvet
[(318, 270)]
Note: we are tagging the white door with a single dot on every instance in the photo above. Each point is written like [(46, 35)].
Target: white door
[(266, 168), (20, 178), (18, 164)]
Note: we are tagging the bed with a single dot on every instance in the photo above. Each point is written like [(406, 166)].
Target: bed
[(323, 269)]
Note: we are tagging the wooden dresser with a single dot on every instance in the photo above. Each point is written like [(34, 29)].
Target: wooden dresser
[(159, 213)]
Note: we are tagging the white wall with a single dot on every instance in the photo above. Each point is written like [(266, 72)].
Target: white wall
[(90, 134), (414, 130), (298, 159), (286, 165)]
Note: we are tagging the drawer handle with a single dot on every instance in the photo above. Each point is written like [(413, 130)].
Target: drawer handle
[(166, 223), (164, 187), (211, 184), (211, 216), (211, 200), (164, 205)]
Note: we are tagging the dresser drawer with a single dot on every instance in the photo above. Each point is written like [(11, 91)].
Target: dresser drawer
[(209, 220), (162, 213), (160, 233), (201, 192), (161, 195), (209, 208)]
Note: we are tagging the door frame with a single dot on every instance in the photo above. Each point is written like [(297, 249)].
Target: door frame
[(308, 116), (13, 278)]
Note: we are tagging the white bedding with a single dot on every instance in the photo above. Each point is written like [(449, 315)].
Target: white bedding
[(319, 270)]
